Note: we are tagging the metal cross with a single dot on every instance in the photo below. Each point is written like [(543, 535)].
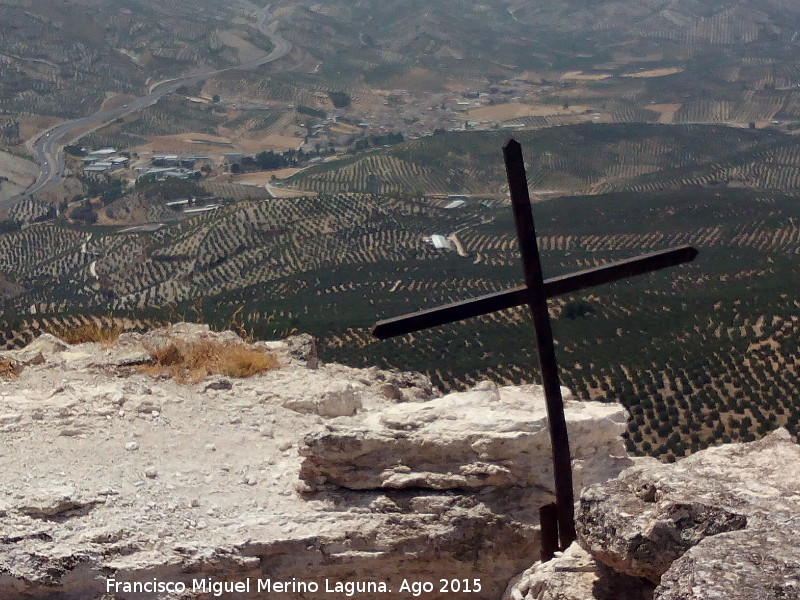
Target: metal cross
[(558, 522)]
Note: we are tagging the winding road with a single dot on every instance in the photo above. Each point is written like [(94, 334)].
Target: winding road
[(47, 148)]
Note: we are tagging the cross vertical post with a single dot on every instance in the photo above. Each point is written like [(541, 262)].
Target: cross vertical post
[(537, 301)]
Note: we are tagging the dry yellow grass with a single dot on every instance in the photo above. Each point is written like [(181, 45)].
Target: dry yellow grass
[(89, 332), (9, 369), (190, 362)]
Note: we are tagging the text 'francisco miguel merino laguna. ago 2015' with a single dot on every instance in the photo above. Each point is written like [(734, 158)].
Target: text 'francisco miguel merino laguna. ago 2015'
[(348, 588)]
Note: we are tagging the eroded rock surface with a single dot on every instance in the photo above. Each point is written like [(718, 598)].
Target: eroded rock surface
[(575, 575), (111, 473), (719, 524), (486, 437)]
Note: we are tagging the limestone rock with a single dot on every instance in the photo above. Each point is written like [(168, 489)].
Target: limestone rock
[(741, 565), (575, 575), (341, 399), (48, 503), (170, 480), (303, 348), (47, 344), (706, 525), (469, 440), (38, 351)]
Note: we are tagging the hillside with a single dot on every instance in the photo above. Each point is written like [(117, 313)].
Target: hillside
[(378, 43), (688, 61), (699, 354), (17, 174), (584, 158), (108, 48)]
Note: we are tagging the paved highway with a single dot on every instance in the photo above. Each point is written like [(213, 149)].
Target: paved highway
[(48, 147)]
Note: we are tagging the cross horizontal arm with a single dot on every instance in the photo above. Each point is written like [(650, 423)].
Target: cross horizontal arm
[(564, 284)]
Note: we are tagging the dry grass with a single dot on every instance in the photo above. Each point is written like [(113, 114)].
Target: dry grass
[(9, 369), (89, 332), (190, 362)]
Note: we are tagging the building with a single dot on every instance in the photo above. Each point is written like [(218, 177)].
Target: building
[(166, 160), (440, 242), (103, 152)]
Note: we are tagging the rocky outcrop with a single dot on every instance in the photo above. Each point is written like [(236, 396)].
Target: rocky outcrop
[(575, 575), (722, 523), (487, 437), (112, 474), (645, 522)]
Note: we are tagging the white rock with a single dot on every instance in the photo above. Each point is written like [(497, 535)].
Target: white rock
[(468, 440), (340, 399)]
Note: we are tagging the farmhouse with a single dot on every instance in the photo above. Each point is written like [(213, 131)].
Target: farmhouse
[(440, 242), (103, 152)]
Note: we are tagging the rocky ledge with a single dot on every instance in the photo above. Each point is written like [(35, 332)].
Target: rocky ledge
[(721, 524), (304, 473)]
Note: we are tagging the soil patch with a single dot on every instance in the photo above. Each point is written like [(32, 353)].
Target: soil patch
[(272, 141), (264, 177), (247, 51), (581, 76), (187, 142), (667, 111), (418, 79), (655, 72), (513, 110), (31, 126)]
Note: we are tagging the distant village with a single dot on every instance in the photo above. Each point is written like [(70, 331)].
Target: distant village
[(327, 134)]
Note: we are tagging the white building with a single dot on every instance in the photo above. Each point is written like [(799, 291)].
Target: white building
[(440, 242)]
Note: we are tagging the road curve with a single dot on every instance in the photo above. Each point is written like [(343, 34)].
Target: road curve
[(47, 148)]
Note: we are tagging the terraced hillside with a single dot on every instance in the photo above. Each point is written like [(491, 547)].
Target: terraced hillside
[(577, 158), (700, 353), (59, 58), (67, 59), (382, 43)]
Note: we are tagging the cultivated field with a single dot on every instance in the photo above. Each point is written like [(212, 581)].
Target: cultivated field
[(699, 353), (581, 158)]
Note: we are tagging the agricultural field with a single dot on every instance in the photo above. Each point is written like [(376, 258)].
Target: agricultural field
[(62, 58), (699, 354), (644, 126), (586, 41), (578, 158), (15, 174)]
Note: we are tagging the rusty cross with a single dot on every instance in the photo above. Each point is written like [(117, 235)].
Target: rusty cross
[(558, 521)]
